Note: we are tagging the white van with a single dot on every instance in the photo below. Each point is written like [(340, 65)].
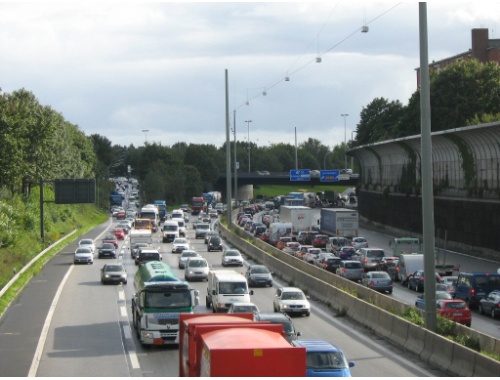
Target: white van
[(177, 214), (225, 287), (182, 226), (170, 231), (409, 264)]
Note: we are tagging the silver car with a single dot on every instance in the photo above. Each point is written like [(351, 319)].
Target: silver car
[(87, 243), (83, 255), (378, 280), (232, 257), (185, 256), (359, 242), (196, 269), (350, 269)]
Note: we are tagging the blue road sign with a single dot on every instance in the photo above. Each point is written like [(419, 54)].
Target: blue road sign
[(329, 175), (300, 175)]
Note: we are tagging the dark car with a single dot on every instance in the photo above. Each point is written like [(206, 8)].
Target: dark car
[(491, 304), (113, 274), (331, 264), (283, 319), (259, 275), (346, 253), (416, 280), (107, 250), (214, 244)]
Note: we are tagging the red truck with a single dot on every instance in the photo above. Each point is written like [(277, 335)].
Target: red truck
[(249, 351), (197, 205), (193, 328)]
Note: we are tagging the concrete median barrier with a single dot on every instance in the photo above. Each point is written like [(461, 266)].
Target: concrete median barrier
[(399, 333), (415, 339), (437, 351), (486, 367)]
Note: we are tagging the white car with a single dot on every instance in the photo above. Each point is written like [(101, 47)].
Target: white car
[(232, 257), (179, 245), (87, 243), (359, 242), (196, 269), (185, 256), (291, 301), (83, 255)]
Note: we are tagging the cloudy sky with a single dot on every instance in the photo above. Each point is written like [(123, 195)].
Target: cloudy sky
[(117, 69)]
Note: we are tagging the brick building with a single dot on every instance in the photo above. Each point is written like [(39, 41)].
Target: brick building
[(483, 49)]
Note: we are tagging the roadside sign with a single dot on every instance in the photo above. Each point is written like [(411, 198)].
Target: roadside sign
[(300, 175), (329, 175)]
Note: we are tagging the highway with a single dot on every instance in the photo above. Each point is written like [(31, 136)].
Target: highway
[(87, 332)]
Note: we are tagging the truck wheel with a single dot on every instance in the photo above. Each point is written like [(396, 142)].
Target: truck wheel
[(208, 304)]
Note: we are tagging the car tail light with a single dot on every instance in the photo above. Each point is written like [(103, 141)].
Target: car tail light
[(421, 278), (372, 284), (366, 261), (344, 270)]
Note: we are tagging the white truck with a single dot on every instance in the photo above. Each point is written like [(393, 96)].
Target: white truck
[(159, 297), (339, 222), (225, 287), (277, 230), (299, 216), (139, 236), (170, 231)]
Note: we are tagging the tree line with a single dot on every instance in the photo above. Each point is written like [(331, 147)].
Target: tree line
[(37, 142)]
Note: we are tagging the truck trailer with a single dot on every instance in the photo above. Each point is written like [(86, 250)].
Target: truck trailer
[(339, 222), (299, 216), (158, 300), (249, 351), (189, 336)]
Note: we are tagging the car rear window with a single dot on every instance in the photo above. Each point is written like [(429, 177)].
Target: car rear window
[(375, 253), (353, 265), (456, 305)]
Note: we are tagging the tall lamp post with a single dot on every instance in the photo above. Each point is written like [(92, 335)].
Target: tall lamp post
[(248, 127), (344, 115), (145, 135)]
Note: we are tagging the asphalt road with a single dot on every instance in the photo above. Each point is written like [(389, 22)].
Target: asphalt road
[(90, 332)]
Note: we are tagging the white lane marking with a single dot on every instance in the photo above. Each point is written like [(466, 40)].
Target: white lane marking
[(127, 332), (123, 311), (121, 295), (45, 330), (134, 361)]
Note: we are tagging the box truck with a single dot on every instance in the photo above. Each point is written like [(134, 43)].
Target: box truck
[(250, 352), (339, 222), (192, 325), (299, 216)]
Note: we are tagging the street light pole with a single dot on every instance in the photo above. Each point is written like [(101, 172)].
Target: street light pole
[(344, 115), (145, 135), (248, 127), (235, 164)]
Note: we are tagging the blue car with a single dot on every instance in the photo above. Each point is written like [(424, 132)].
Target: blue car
[(440, 295), (324, 359)]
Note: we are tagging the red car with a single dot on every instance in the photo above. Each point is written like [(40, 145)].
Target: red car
[(119, 233), (282, 242), (455, 310), (320, 241), (111, 239)]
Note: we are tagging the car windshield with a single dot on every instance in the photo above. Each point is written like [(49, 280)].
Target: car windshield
[(233, 288), (259, 270), (325, 360), (189, 254), (160, 300), (113, 268), (180, 241), (149, 256), (292, 296), (170, 228), (83, 250), (86, 242), (245, 309), (108, 246), (197, 264), (232, 253)]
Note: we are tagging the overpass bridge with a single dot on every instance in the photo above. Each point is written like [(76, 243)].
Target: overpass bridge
[(247, 180)]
